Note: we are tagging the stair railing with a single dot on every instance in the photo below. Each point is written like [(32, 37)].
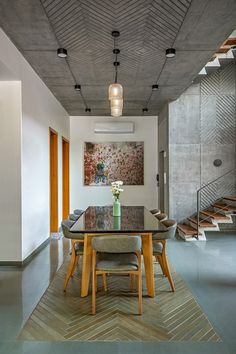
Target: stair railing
[(199, 191)]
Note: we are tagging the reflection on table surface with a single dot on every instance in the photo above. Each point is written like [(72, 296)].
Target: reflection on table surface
[(132, 219)]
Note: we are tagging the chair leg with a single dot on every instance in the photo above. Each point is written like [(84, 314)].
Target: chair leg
[(104, 277), (159, 259), (140, 292), (70, 269), (132, 280), (94, 284), (167, 271), (75, 264)]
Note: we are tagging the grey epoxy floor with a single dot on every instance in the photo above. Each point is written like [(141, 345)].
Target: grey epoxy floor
[(209, 268)]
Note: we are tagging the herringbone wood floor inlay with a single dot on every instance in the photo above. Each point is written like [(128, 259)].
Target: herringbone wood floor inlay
[(167, 317)]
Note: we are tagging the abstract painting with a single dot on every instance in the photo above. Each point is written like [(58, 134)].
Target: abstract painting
[(113, 161)]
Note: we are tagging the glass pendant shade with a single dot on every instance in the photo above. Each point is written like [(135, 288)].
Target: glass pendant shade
[(116, 112), (115, 91), (117, 103)]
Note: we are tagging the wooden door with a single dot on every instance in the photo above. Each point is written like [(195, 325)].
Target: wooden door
[(65, 178), (53, 180)]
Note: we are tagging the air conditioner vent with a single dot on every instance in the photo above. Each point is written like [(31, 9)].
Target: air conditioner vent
[(114, 127)]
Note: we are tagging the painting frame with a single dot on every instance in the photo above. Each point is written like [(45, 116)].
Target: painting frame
[(106, 162)]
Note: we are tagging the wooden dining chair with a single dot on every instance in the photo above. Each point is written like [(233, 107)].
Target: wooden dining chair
[(78, 211), (159, 248), (116, 254), (161, 216), (155, 211), (74, 217), (77, 248)]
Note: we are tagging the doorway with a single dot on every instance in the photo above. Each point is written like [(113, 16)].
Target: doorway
[(53, 137), (65, 178)]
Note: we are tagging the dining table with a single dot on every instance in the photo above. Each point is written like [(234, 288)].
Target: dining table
[(134, 220)]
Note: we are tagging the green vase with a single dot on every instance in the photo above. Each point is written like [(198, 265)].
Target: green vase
[(116, 222), (116, 207)]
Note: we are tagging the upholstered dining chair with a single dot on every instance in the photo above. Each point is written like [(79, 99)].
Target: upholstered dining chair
[(78, 211), (77, 245), (116, 254), (161, 216), (155, 211), (74, 217), (159, 248)]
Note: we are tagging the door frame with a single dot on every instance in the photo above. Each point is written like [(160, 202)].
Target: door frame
[(65, 178), (53, 180)]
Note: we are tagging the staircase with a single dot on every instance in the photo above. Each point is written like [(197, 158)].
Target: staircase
[(210, 216), (225, 54), (210, 219)]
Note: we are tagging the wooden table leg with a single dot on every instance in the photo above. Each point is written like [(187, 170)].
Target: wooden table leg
[(148, 263), (86, 267)]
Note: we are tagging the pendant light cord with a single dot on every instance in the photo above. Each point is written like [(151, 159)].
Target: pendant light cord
[(116, 70)]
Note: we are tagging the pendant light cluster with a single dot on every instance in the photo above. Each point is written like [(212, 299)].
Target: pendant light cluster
[(115, 91)]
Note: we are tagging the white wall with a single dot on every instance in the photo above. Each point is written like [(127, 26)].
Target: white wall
[(10, 171), (81, 130), (40, 110)]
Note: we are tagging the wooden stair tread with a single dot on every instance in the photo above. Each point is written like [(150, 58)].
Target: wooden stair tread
[(233, 199), (188, 230), (216, 216), (224, 206), (202, 223)]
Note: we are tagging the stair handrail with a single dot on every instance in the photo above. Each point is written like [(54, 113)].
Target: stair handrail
[(198, 194)]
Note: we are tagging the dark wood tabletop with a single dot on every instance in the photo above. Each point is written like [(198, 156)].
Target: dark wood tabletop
[(99, 219)]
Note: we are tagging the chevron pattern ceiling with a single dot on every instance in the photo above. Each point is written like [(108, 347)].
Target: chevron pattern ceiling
[(147, 28)]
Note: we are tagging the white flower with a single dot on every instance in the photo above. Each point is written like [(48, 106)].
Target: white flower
[(115, 188)]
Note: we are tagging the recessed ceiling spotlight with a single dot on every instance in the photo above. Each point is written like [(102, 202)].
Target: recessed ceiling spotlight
[(170, 52), (77, 87), (154, 87), (87, 109), (61, 53), (145, 109)]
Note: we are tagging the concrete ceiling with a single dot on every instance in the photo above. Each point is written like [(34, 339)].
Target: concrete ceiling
[(196, 28)]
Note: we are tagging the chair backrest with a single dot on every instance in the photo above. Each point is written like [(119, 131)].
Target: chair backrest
[(155, 211), (78, 211), (74, 217), (117, 244), (170, 230), (66, 225), (161, 216)]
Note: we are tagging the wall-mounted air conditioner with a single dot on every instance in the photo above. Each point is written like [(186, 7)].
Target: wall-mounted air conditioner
[(114, 127)]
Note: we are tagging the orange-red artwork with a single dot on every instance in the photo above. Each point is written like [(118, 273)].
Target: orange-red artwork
[(108, 162)]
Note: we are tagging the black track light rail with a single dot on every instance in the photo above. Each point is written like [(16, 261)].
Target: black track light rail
[(172, 46), (87, 109)]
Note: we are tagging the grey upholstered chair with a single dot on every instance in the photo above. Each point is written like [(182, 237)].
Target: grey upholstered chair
[(159, 248), (78, 211), (77, 245), (116, 254), (155, 211), (161, 216), (74, 217)]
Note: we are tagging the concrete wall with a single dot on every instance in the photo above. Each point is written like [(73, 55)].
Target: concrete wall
[(82, 130), (39, 111), (202, 126)]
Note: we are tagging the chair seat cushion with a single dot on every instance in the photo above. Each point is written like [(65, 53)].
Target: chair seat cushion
[(114, 262), (157, 247)]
